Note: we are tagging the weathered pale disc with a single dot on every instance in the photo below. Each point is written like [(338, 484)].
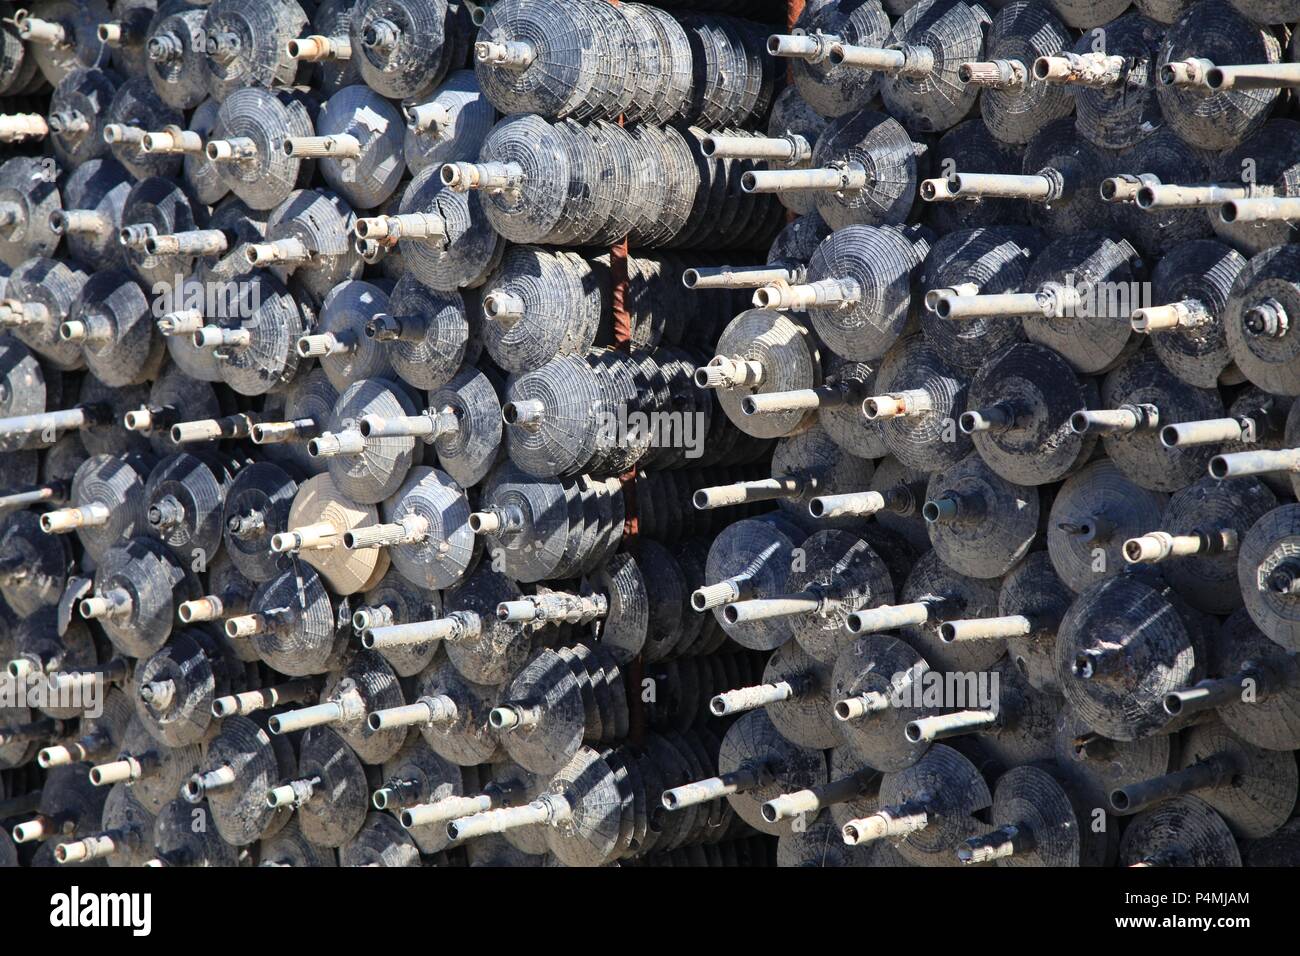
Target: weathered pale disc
[(98, 185), (806, 718), (178, 75), (82, 48), (622, 631), (822, 467), (563, 441), (323, 222), (590, 835), (1024, 32), (792, 115), (267, 178), (275, 323), (25, 389), (184, 493), (413, 63), (880, 144), (994, 261), (836, 90), (344, 312), (1220, 119), (1121, 115), (789, 361), (370, 178), (319, 500), (885, 263), (954, 34), (137, 104), (439, 333), (257, 56), (470, 116), (496, 649), (470, 451), (161, 203), (201, 174), (535, 551), (564, 300), (472, 249), (187, 358), (51, 283)]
